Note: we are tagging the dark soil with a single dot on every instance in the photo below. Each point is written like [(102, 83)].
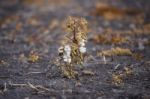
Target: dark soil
[(35, 27)]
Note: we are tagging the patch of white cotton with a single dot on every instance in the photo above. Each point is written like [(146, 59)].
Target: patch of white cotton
[(67, 52), (82, 47)]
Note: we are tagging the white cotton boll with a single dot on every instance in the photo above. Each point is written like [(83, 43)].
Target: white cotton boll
[(82, 44), (69, 60), (67, 48), (68, 53), (83, 40), (65, 57), (82, 49), (65, 60)]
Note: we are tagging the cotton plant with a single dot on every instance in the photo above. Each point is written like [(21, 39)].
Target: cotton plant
[(67, 54), (73, 51)]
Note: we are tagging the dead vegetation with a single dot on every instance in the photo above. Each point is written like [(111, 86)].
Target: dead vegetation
[(120, 52), (108, 38), (33, 58), (73, 50), (116, 51), (111, 12), (119, 77)]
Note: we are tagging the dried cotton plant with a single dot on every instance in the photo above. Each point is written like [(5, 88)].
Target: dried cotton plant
[(73, 49)]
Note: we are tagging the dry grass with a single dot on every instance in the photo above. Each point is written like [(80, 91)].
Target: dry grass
[(33, 57), (119, 77), (116, 51)]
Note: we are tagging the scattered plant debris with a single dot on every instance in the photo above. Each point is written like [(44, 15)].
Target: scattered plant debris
[(54, 24), (88, 72), (138, 56), (33, 57), (116, 51), (128, 71), (109, 39), (118, 77)]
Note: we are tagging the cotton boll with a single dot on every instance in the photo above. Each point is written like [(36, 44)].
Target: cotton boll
[(67, 52), (65, 57), (69, 60), (65, 60), (83, 40), (67, 48), (82, 49), (82, 44)]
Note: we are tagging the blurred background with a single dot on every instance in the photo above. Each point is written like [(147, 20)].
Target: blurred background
[(40, 21)]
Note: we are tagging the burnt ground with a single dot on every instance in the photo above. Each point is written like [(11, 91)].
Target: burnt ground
[(33, 27)]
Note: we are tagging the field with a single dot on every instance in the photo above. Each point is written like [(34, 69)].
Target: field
[(117, 63)]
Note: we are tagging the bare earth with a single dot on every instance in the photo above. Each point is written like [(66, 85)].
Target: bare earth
[(31, 32)]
